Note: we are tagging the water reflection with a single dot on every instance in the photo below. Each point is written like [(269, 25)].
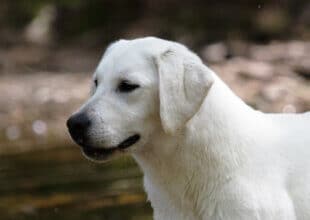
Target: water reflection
[(60, 183)]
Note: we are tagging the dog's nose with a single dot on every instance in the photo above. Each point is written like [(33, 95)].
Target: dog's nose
[(78, 125)]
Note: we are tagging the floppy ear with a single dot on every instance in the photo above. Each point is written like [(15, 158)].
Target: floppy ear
[(184, 82)]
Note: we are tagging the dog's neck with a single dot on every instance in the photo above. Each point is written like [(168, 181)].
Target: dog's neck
[(209, 147)]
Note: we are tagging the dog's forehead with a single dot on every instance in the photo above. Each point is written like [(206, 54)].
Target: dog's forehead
[(126, 56), (123, 63)]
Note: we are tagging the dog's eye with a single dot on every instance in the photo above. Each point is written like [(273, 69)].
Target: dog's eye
[(126, 86), (96, 82)]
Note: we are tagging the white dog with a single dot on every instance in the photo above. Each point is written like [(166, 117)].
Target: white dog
[(205, 154)]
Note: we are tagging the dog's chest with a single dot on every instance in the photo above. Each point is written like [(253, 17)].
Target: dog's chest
[(179, 198), (166, 200)]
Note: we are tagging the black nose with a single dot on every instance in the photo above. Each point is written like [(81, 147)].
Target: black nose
[(78, 125)]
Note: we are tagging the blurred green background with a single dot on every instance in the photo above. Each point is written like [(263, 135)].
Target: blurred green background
[(196, 21), (49, 49)]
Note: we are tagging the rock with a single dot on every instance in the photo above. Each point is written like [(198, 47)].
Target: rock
[(253, 69), (273, 92), (237, 48), (302, 67), (215, 52), (289, 108), (279, 51)]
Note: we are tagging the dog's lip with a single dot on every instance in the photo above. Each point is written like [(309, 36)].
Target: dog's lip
[(129, 141), (102, 153), (98, 153)]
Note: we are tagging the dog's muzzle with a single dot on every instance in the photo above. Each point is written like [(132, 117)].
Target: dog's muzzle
[(97, 153), (78, 126)]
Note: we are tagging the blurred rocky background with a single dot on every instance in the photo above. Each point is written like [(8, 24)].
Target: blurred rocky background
[(49, 49)]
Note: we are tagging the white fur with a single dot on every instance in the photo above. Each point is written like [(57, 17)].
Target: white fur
[(204, 153)]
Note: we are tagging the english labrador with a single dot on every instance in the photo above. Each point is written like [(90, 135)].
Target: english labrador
[(204, 153)]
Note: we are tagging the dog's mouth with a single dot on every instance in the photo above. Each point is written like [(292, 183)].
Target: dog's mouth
[(97, 153)]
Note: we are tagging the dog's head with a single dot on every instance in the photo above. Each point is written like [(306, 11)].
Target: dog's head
[(140, 87)]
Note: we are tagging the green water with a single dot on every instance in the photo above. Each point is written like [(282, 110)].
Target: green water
[(62, 184)]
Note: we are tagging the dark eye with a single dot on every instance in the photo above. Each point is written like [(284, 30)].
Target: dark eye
[(126, 86), (96, 82)]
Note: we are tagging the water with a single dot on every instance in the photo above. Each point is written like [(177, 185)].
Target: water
[(62, 184)]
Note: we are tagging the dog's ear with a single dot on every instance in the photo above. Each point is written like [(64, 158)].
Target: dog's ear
[(184, 82)]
